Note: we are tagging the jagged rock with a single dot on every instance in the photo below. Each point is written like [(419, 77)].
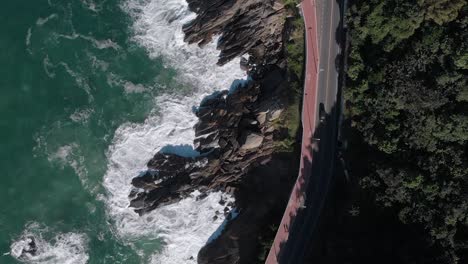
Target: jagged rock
[(31, 247), (251, 140), (234, 132), (245, 26), (25, 248), (261, 117), (244, 64), (227, 131), (275, 114)]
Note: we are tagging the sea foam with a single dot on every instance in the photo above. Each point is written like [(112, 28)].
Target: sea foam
[(63, 248), (70, 155), (187, 225)]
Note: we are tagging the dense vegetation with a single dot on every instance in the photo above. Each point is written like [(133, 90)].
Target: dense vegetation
[(407, 99), (294, 51)]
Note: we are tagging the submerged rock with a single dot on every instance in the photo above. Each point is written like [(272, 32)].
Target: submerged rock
[(24, 248)]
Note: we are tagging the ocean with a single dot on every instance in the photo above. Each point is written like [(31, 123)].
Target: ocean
[(89, 91)]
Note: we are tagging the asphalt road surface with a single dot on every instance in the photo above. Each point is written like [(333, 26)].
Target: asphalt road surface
[(302, 234), (296, 231)]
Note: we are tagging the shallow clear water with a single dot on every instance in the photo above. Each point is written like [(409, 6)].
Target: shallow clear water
[(89, 90)]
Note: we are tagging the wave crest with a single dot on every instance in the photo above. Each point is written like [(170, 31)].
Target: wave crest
[(36, 246), (187, 225)]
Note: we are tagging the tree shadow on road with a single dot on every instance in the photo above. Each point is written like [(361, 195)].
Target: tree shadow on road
[(311, 190)]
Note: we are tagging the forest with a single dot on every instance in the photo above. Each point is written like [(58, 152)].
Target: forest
[(406, 99)]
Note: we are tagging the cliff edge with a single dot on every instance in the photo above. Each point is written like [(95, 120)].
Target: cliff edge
[(238, 130)]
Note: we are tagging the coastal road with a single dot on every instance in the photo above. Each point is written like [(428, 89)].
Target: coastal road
[(295, 234)]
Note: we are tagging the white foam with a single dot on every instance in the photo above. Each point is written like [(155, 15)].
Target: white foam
[(41, 21), (91, 5), (103, 43), (130, 87), (97, 63), (98, 43), (187, 225), (133, 146), (158, 27), (63, 248), (79, 79), (28, 37), (82, 115), (48, 67), (70, 155), (28, 41)]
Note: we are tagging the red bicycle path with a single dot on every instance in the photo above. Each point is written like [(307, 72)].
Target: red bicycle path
[(309, 115)]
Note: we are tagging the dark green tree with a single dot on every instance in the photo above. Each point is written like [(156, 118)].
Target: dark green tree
[(407, 96)]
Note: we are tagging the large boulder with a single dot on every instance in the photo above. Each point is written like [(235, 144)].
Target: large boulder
[(251, 140)]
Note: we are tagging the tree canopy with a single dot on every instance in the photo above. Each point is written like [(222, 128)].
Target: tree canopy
[(407, 96)]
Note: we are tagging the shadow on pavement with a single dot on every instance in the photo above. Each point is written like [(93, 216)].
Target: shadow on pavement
[(320, 170), (318, 176)]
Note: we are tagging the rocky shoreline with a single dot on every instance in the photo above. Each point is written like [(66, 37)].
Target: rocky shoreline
[(237, 131)]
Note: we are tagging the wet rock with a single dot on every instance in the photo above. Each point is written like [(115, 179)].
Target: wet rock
[(229, 139), (222, 202), (25, 248), (245, 26), (234, 132), (31, 247), (244, 64)]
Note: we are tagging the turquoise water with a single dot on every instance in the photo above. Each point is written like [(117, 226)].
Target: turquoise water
[(69, 77)]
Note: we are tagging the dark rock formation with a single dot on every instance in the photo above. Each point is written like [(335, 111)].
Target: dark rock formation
[(237, 130), (245, 26), (25, 248), (31, 246), (262, 195)]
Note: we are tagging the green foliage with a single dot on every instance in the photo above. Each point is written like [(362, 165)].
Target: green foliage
[(290, 118), (407, 95), (291, 3), (265, 242), (295, 48), (461, 59), (441, 11), (391, 22)]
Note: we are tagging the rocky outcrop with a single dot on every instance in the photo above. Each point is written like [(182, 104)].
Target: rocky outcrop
[(237, 130), (251, 140), (244, 26), (229, 138), (25, 248)]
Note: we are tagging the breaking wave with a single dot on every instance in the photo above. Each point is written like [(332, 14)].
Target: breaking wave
[(158, 28), (37, 245), (187, 225)]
